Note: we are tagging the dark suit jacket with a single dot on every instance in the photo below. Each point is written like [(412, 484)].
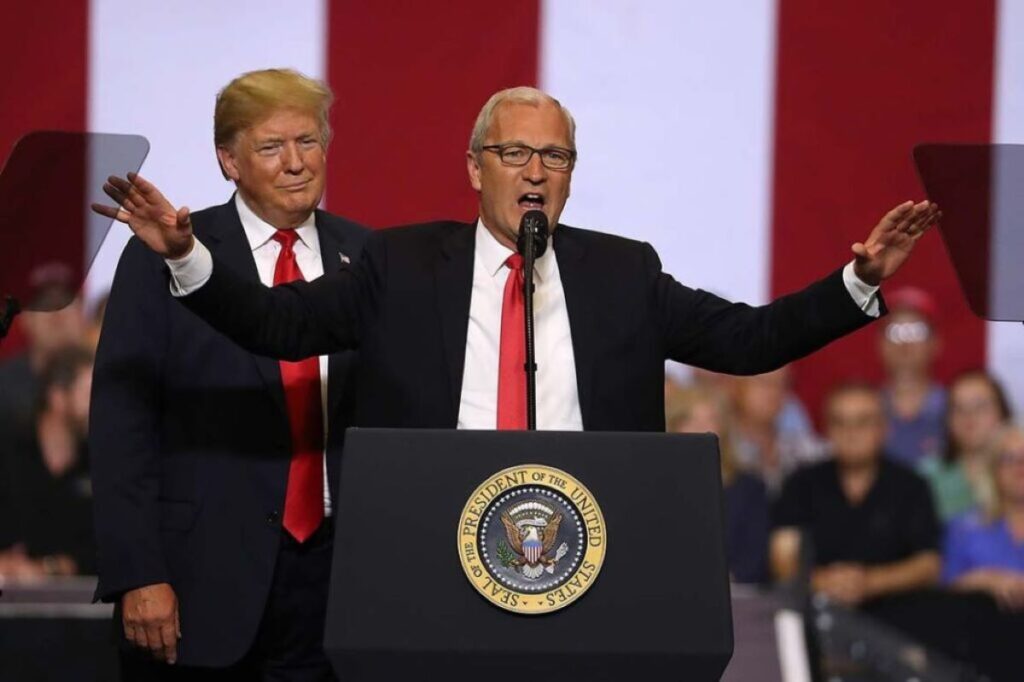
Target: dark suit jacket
[(406, 306), (190, 443)]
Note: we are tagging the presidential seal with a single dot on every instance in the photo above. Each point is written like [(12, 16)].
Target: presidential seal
[(532, 539)]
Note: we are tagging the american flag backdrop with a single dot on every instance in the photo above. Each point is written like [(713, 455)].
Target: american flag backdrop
[(750, 141)]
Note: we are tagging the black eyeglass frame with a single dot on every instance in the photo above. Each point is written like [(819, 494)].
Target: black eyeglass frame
[(500, 149)]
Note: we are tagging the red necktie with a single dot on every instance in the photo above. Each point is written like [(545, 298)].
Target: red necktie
[(304, 499), (512, 353)]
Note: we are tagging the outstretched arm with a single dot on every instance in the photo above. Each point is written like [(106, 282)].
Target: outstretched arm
[(707, 331), (291, 322)]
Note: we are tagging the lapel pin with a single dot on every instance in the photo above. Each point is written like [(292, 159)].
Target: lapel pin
[(345, 260)]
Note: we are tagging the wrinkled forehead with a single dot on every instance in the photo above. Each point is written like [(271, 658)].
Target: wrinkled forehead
[(537, 124)]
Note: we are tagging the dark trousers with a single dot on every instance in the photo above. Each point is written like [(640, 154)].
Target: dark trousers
[(289, 642)]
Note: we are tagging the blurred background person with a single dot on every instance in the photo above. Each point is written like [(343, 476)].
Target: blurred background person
[(977, 411), (773, 432), (46, 523), (45, 335), (698, 409), (984, 551), (869, 520), (914, 402)]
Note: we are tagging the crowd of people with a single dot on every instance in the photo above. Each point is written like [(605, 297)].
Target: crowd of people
[(45, 488), (911, 488)]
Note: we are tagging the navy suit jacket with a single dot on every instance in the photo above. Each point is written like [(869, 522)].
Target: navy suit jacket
[(405, 305), (190, 445)]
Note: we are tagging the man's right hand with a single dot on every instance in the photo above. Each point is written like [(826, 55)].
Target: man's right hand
[(150, 617), (141, 206)]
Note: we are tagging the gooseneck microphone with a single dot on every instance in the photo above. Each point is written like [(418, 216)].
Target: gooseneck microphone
[(531, 244)]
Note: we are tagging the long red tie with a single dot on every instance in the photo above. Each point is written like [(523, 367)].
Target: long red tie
[(304, 498), (512, 353)]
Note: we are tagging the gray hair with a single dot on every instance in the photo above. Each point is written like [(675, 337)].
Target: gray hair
[(520, 95)]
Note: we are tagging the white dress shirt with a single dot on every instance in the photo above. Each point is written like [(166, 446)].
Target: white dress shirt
[(265, 250), (558, 402)]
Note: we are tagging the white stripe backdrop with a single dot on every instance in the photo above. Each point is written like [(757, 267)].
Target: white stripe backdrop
[(674, 108)]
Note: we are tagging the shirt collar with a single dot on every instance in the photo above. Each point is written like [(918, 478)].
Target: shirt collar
[(258, 231), (493, 254)]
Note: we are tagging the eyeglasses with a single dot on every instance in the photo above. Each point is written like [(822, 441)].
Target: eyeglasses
[(553, 158), (908, 332)]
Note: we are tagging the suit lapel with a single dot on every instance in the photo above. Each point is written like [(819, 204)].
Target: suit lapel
[(572, 267), (231, 247), (453, 275)]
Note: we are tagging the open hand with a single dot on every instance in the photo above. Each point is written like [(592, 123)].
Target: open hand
[(890, 243), (141, 206), (150, 619)]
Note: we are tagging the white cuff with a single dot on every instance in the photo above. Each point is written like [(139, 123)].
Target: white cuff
[(191, 271), (863, 294)]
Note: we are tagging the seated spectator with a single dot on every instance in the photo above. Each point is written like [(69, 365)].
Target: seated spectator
[(915, 404), (985, 551), (976, 413), (870, 521), (769, 439), (46, 334), (46, 524), (699, 410)]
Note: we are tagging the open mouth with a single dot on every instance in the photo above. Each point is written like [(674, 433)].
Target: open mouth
[(531, 201)]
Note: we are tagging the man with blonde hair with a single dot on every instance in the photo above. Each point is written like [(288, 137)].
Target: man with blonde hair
[(213, 472)]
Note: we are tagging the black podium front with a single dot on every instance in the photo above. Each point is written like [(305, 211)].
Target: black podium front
[(402, 606)]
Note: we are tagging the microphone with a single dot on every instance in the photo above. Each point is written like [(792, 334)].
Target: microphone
[(532, 240), (534, 223)]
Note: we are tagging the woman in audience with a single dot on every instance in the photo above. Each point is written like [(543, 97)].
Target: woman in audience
[(985, 551), (976, 412), (700, 410)]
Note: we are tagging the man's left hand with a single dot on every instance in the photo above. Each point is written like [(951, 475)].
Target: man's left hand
[(890, 243)]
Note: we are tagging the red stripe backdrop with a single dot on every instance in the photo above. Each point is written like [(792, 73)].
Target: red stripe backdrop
[(408, 93), (857, 86), (44, 50)]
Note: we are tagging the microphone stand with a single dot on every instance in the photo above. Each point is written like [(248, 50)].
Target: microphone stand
[(531, 243), (529, 255)]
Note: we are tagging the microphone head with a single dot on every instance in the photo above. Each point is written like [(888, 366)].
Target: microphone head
[(533, 224)]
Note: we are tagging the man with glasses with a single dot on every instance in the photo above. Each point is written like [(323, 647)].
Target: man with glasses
[(871, 522), (437, 309)]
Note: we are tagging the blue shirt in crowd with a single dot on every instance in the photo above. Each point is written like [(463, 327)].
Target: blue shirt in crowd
[(972, 542), (921, 436)]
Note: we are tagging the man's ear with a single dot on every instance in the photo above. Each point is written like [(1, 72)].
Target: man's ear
[(228, 166), (473, 167)]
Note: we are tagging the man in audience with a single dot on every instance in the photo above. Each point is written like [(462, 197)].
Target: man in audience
[(769, 438), (914, 403), (46, 499), (870, 521)]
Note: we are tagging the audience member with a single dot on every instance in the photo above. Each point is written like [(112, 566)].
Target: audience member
[(869, 520), (977, 410), (914, 403), (46, 334), (46, 524), (767, 441), (700, 410), (985, 551)]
